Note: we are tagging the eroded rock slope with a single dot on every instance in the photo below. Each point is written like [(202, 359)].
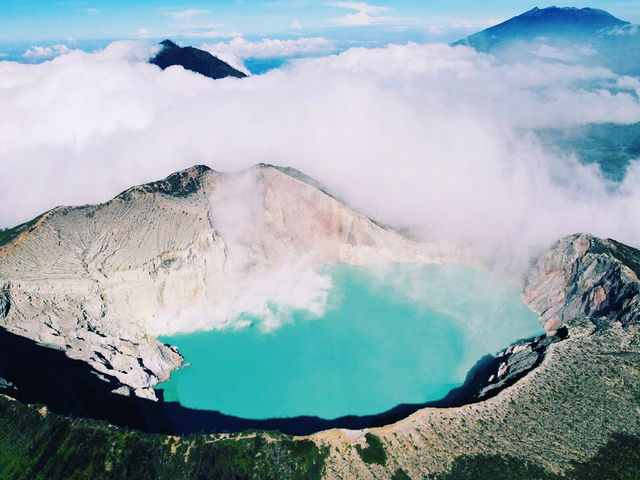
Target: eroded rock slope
[(582, 392), (102, 281), (583, 276)]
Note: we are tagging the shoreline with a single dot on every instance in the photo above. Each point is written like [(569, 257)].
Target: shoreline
[(43, 375)]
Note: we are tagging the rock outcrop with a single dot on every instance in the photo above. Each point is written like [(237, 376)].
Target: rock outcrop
[(580, 279), (569, 391), (102, 281), (582, 276), (510, 365)]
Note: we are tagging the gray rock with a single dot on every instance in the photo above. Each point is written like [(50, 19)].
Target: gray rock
[(514, 362), (582, 276), (102, 282), (6, 384)]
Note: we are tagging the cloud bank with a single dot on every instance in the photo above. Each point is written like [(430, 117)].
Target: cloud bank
[(365, 14), (428, 137), (270, 47), (38, 52)]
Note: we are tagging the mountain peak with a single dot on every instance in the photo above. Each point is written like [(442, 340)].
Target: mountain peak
[(168, 255), (563, 17), (179, 184), (193, 59), (568, 23), (572, 14), (168, 43)]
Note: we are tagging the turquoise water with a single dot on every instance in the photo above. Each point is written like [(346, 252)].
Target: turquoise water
[(397, 334)]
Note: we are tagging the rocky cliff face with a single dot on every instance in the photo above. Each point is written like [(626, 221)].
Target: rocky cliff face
[(582, 276), (581, 279), (102, 281), (569, 391)]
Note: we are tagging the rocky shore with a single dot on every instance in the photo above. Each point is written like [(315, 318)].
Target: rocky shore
[(569, 391), (101, 282), (75, 338)]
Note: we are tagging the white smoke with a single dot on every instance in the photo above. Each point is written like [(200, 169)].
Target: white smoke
[(421, 136), (266, 297)]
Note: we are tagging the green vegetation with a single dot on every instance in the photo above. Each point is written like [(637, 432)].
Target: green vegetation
[(495, 467), (36, 444), (618, 459), (628, 255), (400, 475), (373, 452), (8, 234), (609, 145), (39, 445)]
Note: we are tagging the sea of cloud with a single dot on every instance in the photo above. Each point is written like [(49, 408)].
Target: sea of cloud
[(428, 137), (270, 47)]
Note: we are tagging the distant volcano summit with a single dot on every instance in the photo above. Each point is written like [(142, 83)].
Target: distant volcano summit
[(544, 22), (195, 60), (585, 36)]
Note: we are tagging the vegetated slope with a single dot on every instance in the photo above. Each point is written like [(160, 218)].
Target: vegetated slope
[(612, 147), (101, 281), (557, 419), (618, 459), (195, 60), (580, 404), (567, 418), (37, 444)]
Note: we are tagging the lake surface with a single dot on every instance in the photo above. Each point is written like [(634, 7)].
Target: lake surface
[(397, 334)]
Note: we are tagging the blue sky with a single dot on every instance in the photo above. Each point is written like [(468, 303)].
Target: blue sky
[(36, 30), (24, 21)]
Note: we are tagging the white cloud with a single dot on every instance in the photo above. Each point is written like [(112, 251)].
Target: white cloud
[(185, 14), (569, 54), (435, 29), (625, 30), (205, 30), (202, 26), (38, 52), (365, 14), (270, 47), (143, 33), (460, 24), (271, 295), (629, 83), (295, 25), (212, 34), (360, 7), (423, 136)]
